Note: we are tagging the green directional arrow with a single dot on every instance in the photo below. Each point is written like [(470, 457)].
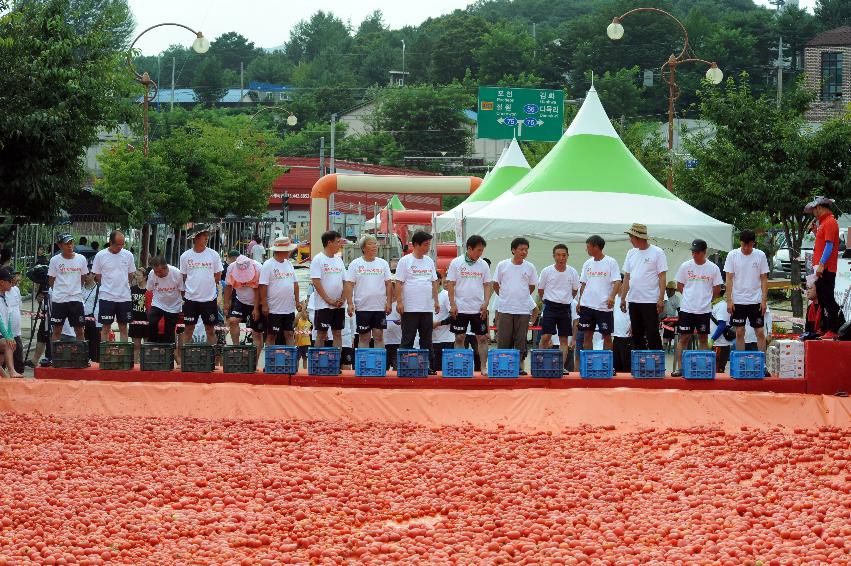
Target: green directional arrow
[(499, 121)]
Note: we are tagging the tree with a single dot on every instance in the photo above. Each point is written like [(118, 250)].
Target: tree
[(833, 13), (200, 171), (323, 31), (380, 148), (210, 84), (505, 50), (59, 85), (231, 49), (275, 68), (456, 36), (619, 92), (762, 161)]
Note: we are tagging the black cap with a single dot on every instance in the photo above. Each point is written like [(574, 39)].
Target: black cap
[(6, 274), (698, 245), (65, 238)]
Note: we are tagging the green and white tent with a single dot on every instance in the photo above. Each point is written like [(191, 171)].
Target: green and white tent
[(509, 169), (394, 204), (590, 183)]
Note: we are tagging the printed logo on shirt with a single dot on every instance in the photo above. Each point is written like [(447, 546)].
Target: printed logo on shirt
[(279, 275), (331, 269), (421, 273), (66, 269), (160, 289), (364, 270), (692, 276), (192, 264), (590, 273), (464, 273)]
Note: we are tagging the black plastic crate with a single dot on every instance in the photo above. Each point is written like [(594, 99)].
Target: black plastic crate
[(156, 357), (323, 361), (70, 355), (412, 363), (116, 355), (198, 357), (239, 359), (547, 363)]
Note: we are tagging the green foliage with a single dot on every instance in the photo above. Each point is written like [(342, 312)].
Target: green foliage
[(199, 171), (211, 84), (619, 92), (59, 84), (505, 50), (425, 120), (324, 31), (833, 13), (275, 68), (231, 49)]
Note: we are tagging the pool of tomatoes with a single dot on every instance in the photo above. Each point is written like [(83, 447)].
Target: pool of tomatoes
[(189, 491)]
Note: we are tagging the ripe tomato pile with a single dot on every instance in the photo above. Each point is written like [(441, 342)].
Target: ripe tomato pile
[(165, 491)]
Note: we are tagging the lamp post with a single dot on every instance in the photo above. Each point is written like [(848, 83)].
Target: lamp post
[(200, 45), (292, 120), (669, 69)]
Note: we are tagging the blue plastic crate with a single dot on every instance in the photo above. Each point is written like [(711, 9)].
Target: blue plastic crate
[(370, 362), (281, 360), (648, 363), (503, 363), (698, 364), (323, 361), (547, 363), (596, 364), (458, 363), (412, 363), (747, 365)]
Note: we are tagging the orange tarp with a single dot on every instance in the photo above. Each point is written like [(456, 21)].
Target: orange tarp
[(524, 409)]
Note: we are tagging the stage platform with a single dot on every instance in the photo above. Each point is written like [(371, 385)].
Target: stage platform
[(347, 379)]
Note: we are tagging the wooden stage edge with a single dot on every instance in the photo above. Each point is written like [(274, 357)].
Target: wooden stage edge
[(391, 381)]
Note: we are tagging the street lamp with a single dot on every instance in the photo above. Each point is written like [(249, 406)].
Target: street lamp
[(200, 45), (292, 120), (714, 75)]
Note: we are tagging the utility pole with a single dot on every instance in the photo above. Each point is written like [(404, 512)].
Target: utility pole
[(403, 63), (779, 70), (159, 76), (172, 84), (331, 166), (241, 81), (322, 156)]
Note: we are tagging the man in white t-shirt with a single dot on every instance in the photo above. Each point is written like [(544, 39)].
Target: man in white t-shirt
[(747, 289), (393, 336), (557, 288), (114, 268), (514, 280), (166, 285), (369, 291), (201, 268), (258, 252), (442, 337), (327, 273), (719, 323), (699, 281), (416, 293), (622, 338), (468, 288), (279, 292), (600, 281), (645, 269), (241, 300), (65, 276)]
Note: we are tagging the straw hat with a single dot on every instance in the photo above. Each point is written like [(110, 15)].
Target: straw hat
[(283, 245), (197, 229), (638, 230)]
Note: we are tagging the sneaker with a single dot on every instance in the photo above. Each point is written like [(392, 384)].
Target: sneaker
[(29, 364), (767, 373), (842, 394), (677, 373), (45, 363), (432, 372), (523, 372)]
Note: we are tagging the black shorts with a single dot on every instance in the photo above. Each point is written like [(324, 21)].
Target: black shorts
[(556, 319), (302, 352), (334, 319), (111, 311), (750, 313), (368, 320), (347, 356), (72, 310), (246, 313), (207, 311), (592, 319), (691, 323), (138, 329), (477, 324), (277, 323)]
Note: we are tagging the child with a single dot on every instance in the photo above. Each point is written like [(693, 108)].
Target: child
[(139, 324), (302, 335)]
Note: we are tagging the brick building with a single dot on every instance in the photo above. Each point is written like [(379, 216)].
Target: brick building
[(827, 61)]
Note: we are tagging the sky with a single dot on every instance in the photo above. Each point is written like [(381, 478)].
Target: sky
[(268, 22)]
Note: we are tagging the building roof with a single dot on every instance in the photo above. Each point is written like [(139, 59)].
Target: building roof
[(187, 96), (840, 37), (267, 87)]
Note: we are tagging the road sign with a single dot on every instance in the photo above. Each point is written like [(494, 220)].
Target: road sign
[(691, 163), (335, 213), (529, 114)]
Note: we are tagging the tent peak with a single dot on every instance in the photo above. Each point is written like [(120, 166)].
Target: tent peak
[(512, 156), (591, 118)]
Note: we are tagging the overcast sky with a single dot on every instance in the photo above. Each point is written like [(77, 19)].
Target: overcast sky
[(268, 23)]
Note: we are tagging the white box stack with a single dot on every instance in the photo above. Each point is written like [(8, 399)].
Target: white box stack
[(785, 359)]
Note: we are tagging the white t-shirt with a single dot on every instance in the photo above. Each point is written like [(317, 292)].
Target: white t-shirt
[(469, 283), (13, 309), (370, 283), (166, 291), (279, 276), (599, 278), (349, 332), (417, 276), (644, 267), (443, 333), (67, 287), (330, 271), (699, 281), (750, 333), (559, 286), (623, 325), (719, 311), (246, 294), (200, 270), (393, 333), (114, 270), (514, 281), (257, 253), (747, 271)]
